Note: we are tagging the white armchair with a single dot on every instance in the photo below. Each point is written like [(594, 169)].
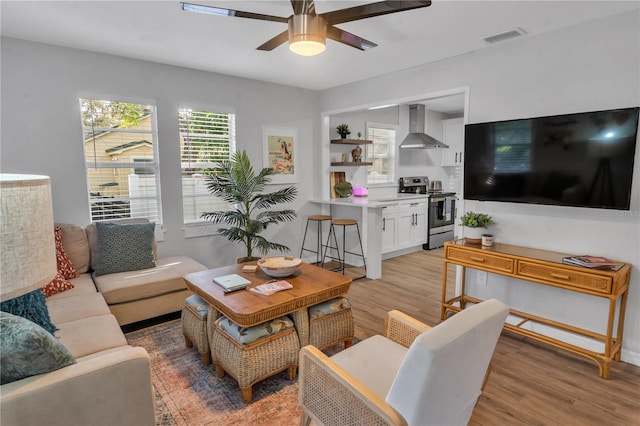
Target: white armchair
[(414, 375)]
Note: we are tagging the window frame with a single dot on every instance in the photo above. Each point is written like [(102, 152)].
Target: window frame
[(91, 161), (392, 157), (200, 227)]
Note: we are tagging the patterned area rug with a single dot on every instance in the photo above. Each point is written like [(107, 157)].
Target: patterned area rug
[(188, 393)]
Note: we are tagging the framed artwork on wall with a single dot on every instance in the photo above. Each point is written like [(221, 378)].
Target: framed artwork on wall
[(281, 153)]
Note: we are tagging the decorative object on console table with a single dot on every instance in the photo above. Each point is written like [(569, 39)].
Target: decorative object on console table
[(251, 211), (27, 234), (593, 262), (475, 224)]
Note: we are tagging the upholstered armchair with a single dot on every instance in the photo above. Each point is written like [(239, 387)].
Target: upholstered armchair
[(413, 375)]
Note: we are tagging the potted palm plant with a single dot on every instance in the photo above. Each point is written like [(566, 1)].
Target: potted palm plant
[(475, 224), (235, 182)]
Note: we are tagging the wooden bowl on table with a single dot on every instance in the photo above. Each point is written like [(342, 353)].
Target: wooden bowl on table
[(279, 266)]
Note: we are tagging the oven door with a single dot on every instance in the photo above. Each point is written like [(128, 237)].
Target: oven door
[(442, 211)]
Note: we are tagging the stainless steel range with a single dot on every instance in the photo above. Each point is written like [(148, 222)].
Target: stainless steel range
[(442, 209)]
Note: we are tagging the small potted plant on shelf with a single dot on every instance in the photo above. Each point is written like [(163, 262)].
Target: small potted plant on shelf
[(475, 224), (343, 130), (251, 210)]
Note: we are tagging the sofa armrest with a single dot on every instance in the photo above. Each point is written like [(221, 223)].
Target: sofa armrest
[(402, 329), (105, 389)]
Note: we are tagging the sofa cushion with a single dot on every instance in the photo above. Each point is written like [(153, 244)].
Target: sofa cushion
[(76, 245), (81, 285), (73, 308), (92, 237), (26, 349), (329, 307), (90, 335), (124, 247), (166, 277), (246, 335), (57, 285), (31, 306), (65, 266)]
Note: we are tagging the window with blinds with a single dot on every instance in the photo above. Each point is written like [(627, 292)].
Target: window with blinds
[(120, 150), (381, 153), (512, 146), (206, 138)]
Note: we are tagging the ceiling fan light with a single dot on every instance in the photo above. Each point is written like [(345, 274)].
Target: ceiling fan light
[(307, 47), (307, 34)]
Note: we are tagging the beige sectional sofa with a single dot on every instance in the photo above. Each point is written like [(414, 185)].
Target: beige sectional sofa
[(111, 382)]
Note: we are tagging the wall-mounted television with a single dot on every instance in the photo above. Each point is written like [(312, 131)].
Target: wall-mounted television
[(583, 159)]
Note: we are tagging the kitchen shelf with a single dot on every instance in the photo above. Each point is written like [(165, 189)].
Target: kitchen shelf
[(351, 163), (351, 141)]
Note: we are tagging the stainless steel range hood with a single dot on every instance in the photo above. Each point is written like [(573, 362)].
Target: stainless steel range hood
[(417, 138)]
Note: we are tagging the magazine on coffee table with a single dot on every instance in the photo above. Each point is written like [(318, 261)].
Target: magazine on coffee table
[(271, 287), (232, 282)]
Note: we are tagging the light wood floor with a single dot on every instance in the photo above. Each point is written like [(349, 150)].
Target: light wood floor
[(531, 383)]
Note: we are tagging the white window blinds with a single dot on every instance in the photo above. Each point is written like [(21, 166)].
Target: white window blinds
[(117, 138), (206, 138)]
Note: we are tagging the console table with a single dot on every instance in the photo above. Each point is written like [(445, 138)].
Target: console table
[(544, 267)]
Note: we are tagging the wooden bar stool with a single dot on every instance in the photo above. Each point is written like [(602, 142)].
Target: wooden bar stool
[(318, 218), (332, 231)]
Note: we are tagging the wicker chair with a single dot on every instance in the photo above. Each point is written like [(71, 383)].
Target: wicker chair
[(331, 323), (194, 326), (414, 375), (252, 362)]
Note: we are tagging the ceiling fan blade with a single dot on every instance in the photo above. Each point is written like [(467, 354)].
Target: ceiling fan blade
[(219, 11), (349, 39), (275, 42), (371, 10), (303, 7)]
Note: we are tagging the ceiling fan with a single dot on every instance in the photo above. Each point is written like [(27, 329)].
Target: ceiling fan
[(307, 30)]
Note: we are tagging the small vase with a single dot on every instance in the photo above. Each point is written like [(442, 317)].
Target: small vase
[(473, 235)]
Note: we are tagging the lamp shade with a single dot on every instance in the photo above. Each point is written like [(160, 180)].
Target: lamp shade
[(28, 248)]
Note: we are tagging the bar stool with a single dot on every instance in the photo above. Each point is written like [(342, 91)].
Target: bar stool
[(319, 218), (343, 223)]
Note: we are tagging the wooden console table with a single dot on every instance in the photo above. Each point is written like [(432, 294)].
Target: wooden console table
[(544, 267)]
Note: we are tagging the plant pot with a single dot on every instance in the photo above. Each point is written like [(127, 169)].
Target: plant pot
[(247, 259), (473, 235)]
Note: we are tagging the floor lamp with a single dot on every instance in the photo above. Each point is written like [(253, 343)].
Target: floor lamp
[(27, 239)]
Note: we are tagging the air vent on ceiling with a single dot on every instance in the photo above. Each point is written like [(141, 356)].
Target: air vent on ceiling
[(505, 35)]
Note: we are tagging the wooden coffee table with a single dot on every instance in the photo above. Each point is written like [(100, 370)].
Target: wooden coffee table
[(311, 285)]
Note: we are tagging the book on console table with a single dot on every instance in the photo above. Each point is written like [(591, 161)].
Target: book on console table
[(271, 287), (592, 262), (232, 282)]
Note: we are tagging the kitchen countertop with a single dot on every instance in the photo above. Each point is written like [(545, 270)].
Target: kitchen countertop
[(371, 201)]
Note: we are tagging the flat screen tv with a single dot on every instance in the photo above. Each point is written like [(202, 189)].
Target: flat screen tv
[(582, 160)]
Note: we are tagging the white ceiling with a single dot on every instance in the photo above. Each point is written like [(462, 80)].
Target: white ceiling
[(160, 31)]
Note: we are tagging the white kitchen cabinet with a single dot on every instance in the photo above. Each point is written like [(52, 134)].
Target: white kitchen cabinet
[(411, 224), (453, 135), (389, 227)]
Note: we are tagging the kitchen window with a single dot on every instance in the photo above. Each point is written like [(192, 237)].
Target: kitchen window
[(206, 138), (381, 153), (117, 138)]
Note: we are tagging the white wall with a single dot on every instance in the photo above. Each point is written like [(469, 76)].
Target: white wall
[(41, 131), (594, 66)]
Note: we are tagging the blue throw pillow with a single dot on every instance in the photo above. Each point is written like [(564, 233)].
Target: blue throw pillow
[(32, 306), (124, 247), (26, 349)]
